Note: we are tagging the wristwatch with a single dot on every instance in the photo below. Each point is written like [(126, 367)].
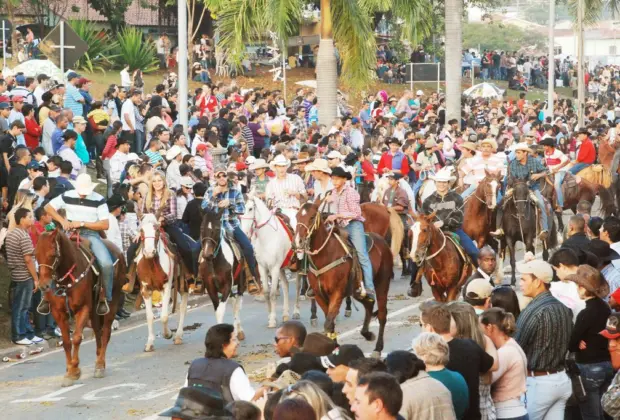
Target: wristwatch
[(82, 224)]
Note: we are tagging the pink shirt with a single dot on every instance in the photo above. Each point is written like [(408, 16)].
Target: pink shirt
[(347, 202), (509, 379)]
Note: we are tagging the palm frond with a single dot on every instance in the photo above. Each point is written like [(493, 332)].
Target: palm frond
[(284, 17), (355, 41), (376, 5), (417, 16), (592, 10)]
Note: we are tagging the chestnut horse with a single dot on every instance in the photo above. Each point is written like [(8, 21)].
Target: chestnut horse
[(381, 220), (69, 281), (444, 268), (479, 208), (330, 266)]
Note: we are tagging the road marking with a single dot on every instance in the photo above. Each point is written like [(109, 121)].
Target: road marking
[(92, 395), (51, 397)]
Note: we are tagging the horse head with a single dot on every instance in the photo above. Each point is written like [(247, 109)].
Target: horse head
[(149, 233), (47, 254), (211, 233), (521, 195), (308, 219), (422, 231), (249, 219), (489, 186)]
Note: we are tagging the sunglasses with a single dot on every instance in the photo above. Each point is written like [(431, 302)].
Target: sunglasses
[(277, 339), (221, 176)]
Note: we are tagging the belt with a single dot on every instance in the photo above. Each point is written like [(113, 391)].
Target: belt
[(543, 372)]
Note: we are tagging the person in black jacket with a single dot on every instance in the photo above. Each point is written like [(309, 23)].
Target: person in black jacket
[(192, 216), (223, 126), (577, 238), (18, 172)]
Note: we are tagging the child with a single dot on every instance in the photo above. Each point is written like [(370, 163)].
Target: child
[(368, 170)]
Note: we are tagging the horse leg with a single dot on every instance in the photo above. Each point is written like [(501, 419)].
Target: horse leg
[(558, 215), (296, 311), (62, 319), (368, 335), (267, 291), (513, 260), (331, 314), (382, 281), (148, 305), (273, 278), (439, 296), (285, 306), (347, 311), (313, 318), (237, 303), (178, 339), (320, 301), (221, 310), (81, 318), (165, 307), (105, 332)]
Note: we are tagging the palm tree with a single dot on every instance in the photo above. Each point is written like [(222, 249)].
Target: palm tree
[(348, 23), (453, 45)]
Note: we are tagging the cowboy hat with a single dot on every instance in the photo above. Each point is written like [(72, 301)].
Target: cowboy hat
[(340, 172), (187, 181), (318, 344), (394, 175), (335, 154), (259, 164), (302, 157), (319, 165), (442, 176), (280, 160), (84, 185), (548, 141), (469, 146), (490, 142), (173, 152), (286, 379), (602, 250), (523, 146), (590, 279)]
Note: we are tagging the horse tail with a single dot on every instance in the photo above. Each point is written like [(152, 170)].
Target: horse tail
[(397, 231), (607, 201)]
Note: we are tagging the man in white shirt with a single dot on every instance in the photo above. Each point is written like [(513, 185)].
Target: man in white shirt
[(113, 232), (128, 118), (556, 161), (285, 191), (356, 136), (476, 167), (67, 151), (125, 77), (40, 89), (118, 160)]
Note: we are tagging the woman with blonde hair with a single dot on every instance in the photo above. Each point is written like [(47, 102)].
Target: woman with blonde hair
[(323, 406), (23, 199)]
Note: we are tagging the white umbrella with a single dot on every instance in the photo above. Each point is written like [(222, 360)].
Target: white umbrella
[(32, 68), (307, 83), (484, 90)]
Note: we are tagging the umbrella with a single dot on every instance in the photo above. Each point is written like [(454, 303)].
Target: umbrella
[(32, 68), (484, 90)]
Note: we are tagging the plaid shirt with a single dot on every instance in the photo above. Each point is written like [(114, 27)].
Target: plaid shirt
[(523, 172), (129, 230), (230, 219), (347, 202), (611, 398)]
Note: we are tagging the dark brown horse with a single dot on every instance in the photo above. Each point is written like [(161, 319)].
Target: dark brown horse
[(439, 260), (67, 278), (479, 208), (220, 269), (330, 270)]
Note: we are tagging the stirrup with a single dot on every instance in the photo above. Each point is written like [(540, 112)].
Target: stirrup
[(102, 307), (253, 287), (498, 233), (43, 307)]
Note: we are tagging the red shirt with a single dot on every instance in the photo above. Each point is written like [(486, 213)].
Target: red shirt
[(32, 134), (110, 148), (386, 162), (369, 170), (208, 104), (587, 152), (35, 231)]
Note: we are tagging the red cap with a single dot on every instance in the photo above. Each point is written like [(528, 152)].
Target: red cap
[(18, 99), (201, 146), (241, 166), (611, 331), (83, 80), (5, 98)]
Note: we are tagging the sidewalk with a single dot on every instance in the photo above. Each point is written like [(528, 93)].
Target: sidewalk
[(137, 317)]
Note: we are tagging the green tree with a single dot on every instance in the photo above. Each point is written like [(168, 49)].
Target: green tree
[(113, 11), (347, 23), (501, 37)]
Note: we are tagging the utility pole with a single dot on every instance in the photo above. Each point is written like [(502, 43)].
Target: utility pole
[(580, 64), (183, 87), (551, 76)]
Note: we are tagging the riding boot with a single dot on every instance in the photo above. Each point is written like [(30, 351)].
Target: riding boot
[(44, 307), (498, 222), (254, 287)]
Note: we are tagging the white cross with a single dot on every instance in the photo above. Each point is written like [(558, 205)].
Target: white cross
[(62, 47)]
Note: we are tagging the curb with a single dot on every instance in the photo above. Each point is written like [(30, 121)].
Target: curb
[(136, 317)]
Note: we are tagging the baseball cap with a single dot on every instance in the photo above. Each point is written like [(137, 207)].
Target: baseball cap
[(83, 80), (55, 108), (33, 164), (20, 78), (72, 75), (4, 105), (18, 98), (355, 120), (478, 289), (393, 175), (612, 330), (201, 146), (342, 355), (538, 268)]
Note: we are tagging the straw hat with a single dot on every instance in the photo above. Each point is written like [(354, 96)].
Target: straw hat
[(280, 160), (319, 165), (523, 146), (259, 164), (443, 176), (469, 146), (84, 185), (490, 142), (173, 152), (302, 157)]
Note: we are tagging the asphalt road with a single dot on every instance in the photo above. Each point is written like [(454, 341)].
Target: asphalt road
[(140, 385)]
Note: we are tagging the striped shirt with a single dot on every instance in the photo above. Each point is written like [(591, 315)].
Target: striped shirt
[(91, 208), (246, 133), (72, 100), (543, 331), (475, 167), (278, 191), (154, 156), (18, 244)]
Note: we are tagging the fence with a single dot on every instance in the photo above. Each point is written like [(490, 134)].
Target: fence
[(425, 73)]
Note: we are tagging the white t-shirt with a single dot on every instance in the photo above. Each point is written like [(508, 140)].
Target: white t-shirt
[(113, 233), (129, 109)]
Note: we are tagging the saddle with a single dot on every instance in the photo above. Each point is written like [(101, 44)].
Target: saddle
[(84, 246), (356, 274), (456, 241), (596, 174)]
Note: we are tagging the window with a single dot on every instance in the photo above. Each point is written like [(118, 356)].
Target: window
[(557, 50), (612, 50)]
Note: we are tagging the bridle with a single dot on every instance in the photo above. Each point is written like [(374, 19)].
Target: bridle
[(256, 225), (155, 237), (427, 244), (316, 223)]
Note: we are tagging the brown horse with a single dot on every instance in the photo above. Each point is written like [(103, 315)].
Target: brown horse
[(67, 278), (606, 154), (444, 268), (383, 221), (479, 208), (330, 270)]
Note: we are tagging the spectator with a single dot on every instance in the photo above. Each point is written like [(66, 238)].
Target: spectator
[(337, 363), (294, 409), (289, 338), (67, 152), (505, 297), (378, 397), (565, 263), (357, 369), (73, 99)]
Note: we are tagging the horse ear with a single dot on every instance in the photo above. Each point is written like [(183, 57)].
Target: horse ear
[(431, 216), (317, 203)]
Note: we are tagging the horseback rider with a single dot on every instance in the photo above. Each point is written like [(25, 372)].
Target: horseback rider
[(525, 168), (586, 156), (286, 190), (348, 215), (556, 161), (426, 163), (397, 198), (260, 181), (224, 196), (448, 208), (474, 169), (321, 172), (87, 211)]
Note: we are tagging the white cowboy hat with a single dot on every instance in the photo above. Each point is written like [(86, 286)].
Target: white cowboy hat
[(319, 165), (132, 157), (280, 160), (187, 181), (250, 160), (259, 164), (84, 185), (491, 142), (443, 176), (522, 146), (335, 154), (173, 152), (419, 93)]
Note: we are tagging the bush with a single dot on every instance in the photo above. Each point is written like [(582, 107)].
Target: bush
[(135, 52), (101, 47)]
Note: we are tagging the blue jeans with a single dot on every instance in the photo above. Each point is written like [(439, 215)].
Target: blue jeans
[(22, 297), (468, 245), (139, 141), (105, 260), (248, 250), (540, 202), (189, 249), (355, 229), (42, 323), (596, 379), (560, 178), (503, 73), (485, 73), (547, 395)]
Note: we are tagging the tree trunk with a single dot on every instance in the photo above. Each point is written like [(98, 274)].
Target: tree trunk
[(453, 46), (326, 68)]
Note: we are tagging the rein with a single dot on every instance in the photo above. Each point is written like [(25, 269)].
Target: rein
[(256, 226)]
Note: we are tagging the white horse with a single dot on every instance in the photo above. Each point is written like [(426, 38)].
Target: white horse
[(152, 255), (272, 245)]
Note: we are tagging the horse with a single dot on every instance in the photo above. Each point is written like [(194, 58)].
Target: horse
[(479, 208), (383, 221), (606, 155), (221, 269), (68, 279), (444, 267), (157, 270), (273, 248), (520, 223), (331, 266)]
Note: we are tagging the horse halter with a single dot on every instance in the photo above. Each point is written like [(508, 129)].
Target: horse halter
[(256, 226), (427, 244), (61, 290)]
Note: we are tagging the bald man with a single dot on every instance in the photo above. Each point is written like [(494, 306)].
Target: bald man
[(577, 238)]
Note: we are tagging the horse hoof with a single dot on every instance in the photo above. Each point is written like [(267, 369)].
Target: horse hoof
[(314, 322), (99, 373), (168, 336), (368, 335), (296, 316), (66, 382), (178, 340), (285, 318), (347, 313), (260, 298), (302, 297), (149, 348), (272, 324), (376, 354), (241, 336)]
